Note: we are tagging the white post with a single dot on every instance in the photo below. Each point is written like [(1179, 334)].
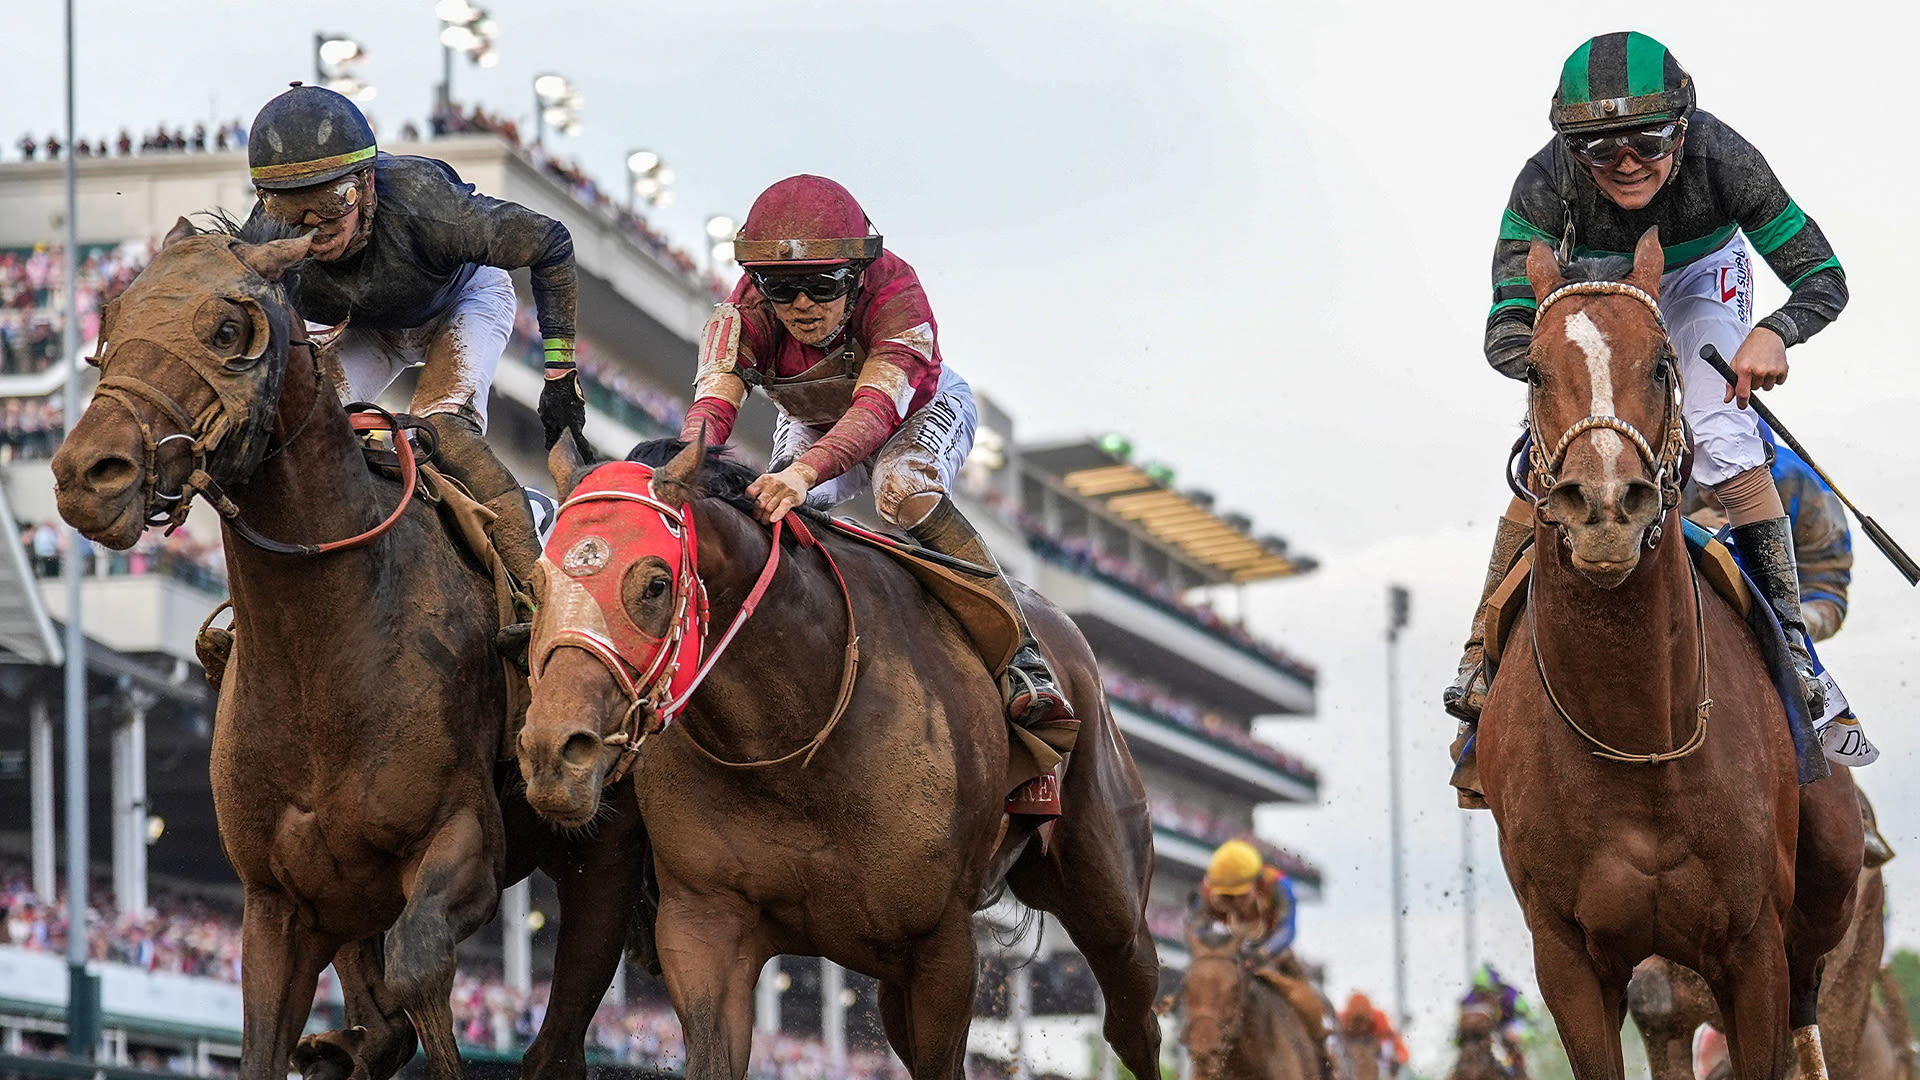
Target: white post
[(516, 937), (833, 1012), (130, 806), (1019, 1007), (766, 999), (41, 720)]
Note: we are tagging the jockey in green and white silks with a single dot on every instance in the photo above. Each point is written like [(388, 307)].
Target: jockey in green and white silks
[(1631, 152)]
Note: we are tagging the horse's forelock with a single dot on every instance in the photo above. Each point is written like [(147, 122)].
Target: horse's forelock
[(721, 477)]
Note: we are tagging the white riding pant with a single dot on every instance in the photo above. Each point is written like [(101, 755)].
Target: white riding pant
[(924, 455), (1710, 302), (461, 349)]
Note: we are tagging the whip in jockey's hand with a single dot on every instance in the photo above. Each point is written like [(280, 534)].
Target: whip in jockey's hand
[(779, 492)]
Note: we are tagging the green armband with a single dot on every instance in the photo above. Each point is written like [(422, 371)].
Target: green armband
[(559, 354)]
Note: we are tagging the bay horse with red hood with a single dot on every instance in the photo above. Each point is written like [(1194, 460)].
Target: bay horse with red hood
[(1635, 753), (835, 786), (361, 715)]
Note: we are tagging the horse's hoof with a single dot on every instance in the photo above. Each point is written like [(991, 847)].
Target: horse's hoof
[(332, 1055)]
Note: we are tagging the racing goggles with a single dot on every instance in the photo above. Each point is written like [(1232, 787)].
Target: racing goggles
[(821, 286), (330, 201), (1648, 144)]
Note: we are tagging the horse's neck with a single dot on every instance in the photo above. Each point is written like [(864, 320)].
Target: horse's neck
[(316, 488), (1634, 647), (778, 683)]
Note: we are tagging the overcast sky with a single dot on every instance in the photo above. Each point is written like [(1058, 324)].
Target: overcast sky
[(1251, 236)]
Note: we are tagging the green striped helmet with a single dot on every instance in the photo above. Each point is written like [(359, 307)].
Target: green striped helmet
[(1620, 80), (307, 136)]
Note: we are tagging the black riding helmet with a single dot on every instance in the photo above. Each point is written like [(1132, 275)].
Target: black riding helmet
[(307, 136)]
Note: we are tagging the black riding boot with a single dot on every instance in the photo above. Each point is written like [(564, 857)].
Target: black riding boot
[(465, 456), (1468, 694), (1768, 550), (1032, 695)]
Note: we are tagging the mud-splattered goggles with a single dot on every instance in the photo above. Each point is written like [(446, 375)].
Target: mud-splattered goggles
[(329, 201), (820, 285), (1649, 144)]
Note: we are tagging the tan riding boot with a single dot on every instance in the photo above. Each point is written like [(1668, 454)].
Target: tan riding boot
[(1032, 694), (464, 455), (1468, 694)]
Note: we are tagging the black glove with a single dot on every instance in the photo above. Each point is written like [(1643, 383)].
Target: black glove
[(563, 408)]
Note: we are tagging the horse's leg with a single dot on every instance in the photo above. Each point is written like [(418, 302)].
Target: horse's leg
[(599, 885), (455, 889), (711, 961), (1666, 1028), (939, 1000), (284, 961), (1828, 854), (1587, 1006), (1753, 992), (378, 1038)]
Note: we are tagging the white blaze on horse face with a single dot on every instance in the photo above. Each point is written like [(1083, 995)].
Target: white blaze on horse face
[(1593, 345)]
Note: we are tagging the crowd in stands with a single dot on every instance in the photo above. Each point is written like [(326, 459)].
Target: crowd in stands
[(231, 135), (1080, 554), (31, 428), (453, 120), (180, 556), (30, 299), (176, 934), (1204, 825), (1158, 702), (608, 385)]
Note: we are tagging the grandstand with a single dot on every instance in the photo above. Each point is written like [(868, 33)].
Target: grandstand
[(1114, 542)]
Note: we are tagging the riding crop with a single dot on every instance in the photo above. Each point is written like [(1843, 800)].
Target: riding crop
[(1900, 559)]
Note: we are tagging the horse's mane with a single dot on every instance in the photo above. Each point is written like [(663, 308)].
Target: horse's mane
[(1598, 268), (721, 477)]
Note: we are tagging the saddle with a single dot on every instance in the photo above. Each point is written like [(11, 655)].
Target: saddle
[(992, 627), (1716, 565)]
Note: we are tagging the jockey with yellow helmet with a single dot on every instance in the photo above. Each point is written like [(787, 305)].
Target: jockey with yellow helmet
[(1257, 901), (838, 333)]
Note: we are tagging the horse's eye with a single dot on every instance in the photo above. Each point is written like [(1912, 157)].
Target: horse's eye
[(1533, 374), (227, 335), (655, 589)]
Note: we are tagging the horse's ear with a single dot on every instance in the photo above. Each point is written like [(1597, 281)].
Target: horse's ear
[(566, 463), (1649, 262), (1543, 270), (678, 482), (272, 259), (180, 231)]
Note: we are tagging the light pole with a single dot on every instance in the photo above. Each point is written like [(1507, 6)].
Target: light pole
[(649, 180), (334, 57), (720, 232), (556, 101), (1397, 609), (1469, 902), (464, 28)]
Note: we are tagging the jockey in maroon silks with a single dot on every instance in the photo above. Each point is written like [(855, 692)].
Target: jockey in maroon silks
[(839, 335)]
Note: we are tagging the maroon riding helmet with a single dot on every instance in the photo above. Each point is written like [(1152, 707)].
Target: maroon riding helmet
[(806, 222)]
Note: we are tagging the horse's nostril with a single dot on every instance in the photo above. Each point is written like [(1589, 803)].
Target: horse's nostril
[(580, 749), (111, 475)]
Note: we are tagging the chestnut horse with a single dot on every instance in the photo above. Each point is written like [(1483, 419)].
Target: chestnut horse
[(1630, 827), (817, 797), (354, 746), (1236, 1026), (1669, 1002), (1475, 1057)]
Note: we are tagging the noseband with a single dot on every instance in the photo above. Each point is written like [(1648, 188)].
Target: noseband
[(1664, 467)]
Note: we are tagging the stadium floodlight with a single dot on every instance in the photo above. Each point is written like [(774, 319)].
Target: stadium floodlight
[(464, 28), (334, 58), (648, 179), (556, 103), (721, 227)]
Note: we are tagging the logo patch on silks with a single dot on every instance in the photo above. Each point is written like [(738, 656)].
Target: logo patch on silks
[(1841, 736)]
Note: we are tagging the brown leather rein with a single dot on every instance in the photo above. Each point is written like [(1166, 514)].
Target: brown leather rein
[(205, 433)]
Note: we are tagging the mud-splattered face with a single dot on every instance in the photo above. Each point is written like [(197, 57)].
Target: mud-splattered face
[(331, 238), (1632, 183), (810, 321)]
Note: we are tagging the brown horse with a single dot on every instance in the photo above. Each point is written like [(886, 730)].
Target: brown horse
[(1236, 1026), (359, 720), (819, 797), (1669, 1002), (1475, 1039), (1886, 1046), (1628, 828)]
